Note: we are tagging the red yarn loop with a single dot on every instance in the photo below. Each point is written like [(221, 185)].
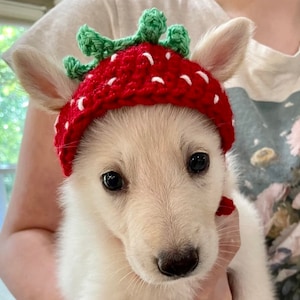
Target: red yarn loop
[(226, 207), (146, 74)]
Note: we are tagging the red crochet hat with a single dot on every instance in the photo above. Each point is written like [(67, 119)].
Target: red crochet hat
[(145, 72)]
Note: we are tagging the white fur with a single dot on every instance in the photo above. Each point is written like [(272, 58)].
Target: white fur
[(109, 241)]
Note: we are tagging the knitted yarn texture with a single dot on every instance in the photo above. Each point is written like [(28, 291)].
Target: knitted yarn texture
[(150, 72), (139, 70)]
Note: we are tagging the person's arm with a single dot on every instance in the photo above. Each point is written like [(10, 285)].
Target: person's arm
[(27, 258)]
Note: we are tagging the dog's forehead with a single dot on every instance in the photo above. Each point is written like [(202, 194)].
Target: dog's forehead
[(163, 130)]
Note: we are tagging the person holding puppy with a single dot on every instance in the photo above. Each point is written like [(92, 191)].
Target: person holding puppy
[(267, 84)]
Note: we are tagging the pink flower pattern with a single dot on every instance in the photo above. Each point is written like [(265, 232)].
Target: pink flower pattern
[(294, 139)]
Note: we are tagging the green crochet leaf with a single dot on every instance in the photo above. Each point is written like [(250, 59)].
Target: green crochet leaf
[(76, 70), (152, 25), (177, 39)]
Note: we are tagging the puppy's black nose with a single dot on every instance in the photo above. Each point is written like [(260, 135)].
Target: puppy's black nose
[(178, 263)]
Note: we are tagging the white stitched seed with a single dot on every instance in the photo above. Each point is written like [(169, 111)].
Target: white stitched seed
[(157, 79), (216, 99), (111, 81), (150, 58), (168, 55), (89, 76), (113, 57), (203, 75), (67, 125), (187, 79), (80, 103)]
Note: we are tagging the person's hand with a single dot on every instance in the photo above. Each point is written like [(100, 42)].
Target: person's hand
[(216, 286)]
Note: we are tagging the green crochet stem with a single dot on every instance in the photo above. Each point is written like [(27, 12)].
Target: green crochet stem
[(152, 25)]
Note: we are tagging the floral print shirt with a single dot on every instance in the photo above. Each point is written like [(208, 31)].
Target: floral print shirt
[(267, 148)]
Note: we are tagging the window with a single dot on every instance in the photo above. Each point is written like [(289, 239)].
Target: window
[(15, 18), (13, 103)]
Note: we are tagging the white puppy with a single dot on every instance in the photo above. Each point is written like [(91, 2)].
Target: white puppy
[(139, 206)]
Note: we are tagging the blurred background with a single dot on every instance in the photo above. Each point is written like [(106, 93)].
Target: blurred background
[(15, 18)]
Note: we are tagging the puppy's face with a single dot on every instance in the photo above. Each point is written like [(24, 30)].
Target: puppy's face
[(154, 176)]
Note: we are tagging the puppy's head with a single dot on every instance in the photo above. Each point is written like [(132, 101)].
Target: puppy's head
[(155, 174)]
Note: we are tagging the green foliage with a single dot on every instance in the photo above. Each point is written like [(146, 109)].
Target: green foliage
[(13, 101)]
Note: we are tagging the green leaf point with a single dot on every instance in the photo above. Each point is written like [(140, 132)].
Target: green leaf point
[(152, 25)]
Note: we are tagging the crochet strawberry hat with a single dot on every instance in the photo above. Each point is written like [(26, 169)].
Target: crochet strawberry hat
[(139, 70)]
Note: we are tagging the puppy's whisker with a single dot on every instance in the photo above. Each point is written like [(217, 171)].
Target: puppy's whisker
[(141, 286), (223, 227), (227, 251), (120, 271), (132, 283), (126, 276), (233, 245), (135, 281), (70, 145), (226, 223), (228, 233)]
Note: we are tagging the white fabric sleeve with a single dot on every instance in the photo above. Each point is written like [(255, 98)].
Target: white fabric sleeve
[(55, 33)]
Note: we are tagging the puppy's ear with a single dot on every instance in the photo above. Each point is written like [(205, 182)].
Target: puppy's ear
[(46, 83), (222, 50)]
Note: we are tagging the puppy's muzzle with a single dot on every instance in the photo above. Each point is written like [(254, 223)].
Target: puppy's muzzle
[(178, 263)]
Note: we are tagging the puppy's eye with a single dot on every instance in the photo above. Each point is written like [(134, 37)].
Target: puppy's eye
[(112, 181), (198, 162)]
